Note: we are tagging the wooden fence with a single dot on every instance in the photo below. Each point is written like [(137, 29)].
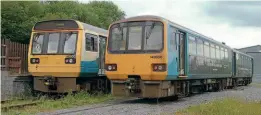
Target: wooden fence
[(14, 57)]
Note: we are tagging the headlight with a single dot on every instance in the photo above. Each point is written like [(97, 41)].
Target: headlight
[(111, 67), (70, 60), (159, 67), (35, 60)]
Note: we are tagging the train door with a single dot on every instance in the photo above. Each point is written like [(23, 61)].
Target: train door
[(234, 64), (181, 53), (102, 46)]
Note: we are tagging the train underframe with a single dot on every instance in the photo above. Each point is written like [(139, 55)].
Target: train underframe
[(135, 87), (71, 84)]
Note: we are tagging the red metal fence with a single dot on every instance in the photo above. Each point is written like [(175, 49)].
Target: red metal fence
[(14, 57)]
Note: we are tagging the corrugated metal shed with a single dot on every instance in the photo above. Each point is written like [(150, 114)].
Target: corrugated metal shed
[(255, 52)]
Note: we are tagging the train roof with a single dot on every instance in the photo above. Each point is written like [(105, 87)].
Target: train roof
[(235, 50), (94, 28), (67, 23), (153, 17)]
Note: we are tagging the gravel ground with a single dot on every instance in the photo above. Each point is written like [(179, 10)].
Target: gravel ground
[(154, 107)]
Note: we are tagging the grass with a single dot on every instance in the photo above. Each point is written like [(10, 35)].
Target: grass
[(226, 106), (47, 105)]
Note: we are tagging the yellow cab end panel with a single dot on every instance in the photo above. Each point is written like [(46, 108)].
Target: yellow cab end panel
[(133, 64), (137, 64), (54, 65)]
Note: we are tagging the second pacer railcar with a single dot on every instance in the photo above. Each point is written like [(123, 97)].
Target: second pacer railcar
[(67, 55), (152, 57)]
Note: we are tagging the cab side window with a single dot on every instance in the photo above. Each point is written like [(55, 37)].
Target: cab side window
[(91, 42)]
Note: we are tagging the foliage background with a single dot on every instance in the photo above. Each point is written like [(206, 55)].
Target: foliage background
[(18, 17)]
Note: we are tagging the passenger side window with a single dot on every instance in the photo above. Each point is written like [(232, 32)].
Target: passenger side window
[(200, 50), (91, 43), (226, 54), (222, 54), (239, 60), (212, 52), (217, 52), (206, 49), (192, 46)]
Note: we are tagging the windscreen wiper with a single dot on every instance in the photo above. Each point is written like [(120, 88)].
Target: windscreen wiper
[(121, 30), (67, 37), (150, 30)]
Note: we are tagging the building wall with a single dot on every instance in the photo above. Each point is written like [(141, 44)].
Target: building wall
[(256, 48), (14, 86)]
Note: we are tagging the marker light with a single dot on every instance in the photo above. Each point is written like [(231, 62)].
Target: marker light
[(159, 67), (111, 67)]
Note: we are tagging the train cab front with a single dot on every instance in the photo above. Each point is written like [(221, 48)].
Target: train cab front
[(136, 57), (53, 57)]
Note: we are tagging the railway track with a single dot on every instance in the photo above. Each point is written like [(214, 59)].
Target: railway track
[(112, 103), (160, 101), (5, 101), (108, 104), (22, 105)]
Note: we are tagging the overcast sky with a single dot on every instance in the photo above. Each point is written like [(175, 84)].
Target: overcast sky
[(236, 23)]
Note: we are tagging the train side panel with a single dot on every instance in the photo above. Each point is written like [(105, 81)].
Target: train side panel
[(243, 65), (89, 61)]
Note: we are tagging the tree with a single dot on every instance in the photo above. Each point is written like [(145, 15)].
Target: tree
[(107, 12), (18, 17)]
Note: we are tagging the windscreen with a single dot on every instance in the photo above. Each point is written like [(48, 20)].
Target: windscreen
[(136, 37), (54, 43), (37, 43), (70, 42)]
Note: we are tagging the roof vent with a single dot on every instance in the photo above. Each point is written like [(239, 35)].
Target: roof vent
[(224, 43)]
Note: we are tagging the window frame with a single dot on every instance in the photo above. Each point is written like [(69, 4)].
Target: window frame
[(76, 41), (217, 53), (130, 24), (226, 55), (200, 42), (97, 42), (206, 44), (192, 39), (43, 43), (61, 43), (212, 46), (141, 38)]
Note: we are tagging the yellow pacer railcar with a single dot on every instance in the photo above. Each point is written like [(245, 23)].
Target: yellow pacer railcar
[(67, 55), (151, 57)]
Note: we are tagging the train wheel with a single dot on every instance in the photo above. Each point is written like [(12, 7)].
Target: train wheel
[(246, 82), (235, 83), (219, 87)]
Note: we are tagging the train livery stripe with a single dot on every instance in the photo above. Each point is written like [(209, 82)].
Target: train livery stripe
[(89, 67)]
